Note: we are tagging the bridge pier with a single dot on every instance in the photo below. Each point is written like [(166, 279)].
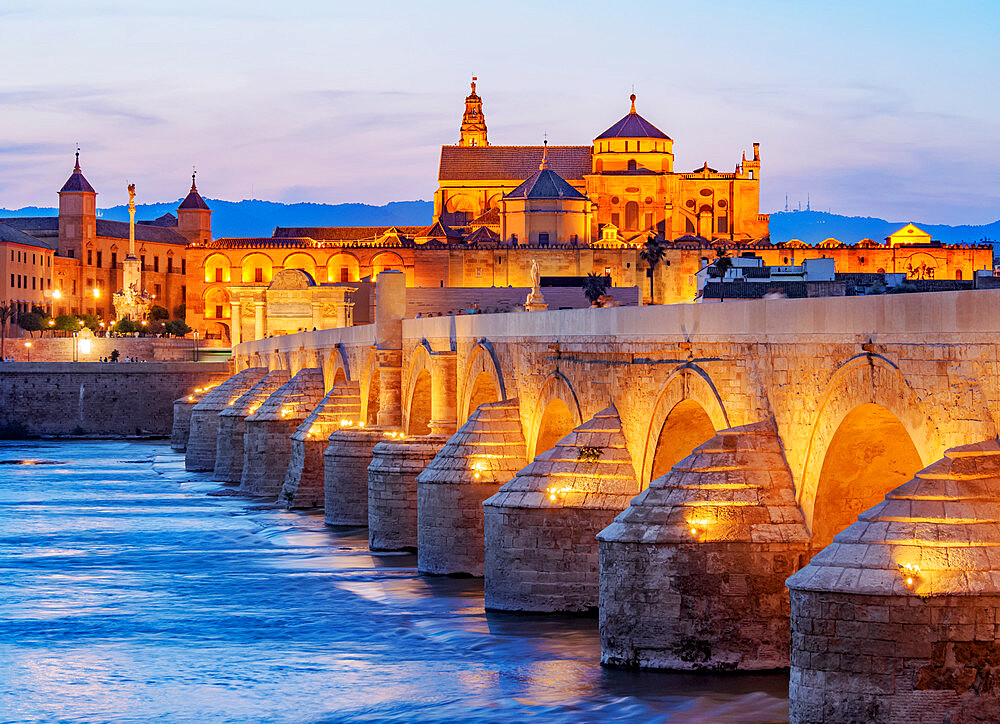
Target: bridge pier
[(232, 426), (345, 474), (692, 573), (486, 452), (899, 618), (541, 527), (267, 445), (303, 486), (181, 428), (203, 436), (392, 489)]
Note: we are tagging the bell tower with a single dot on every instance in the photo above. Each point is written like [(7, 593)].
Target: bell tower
[(473, 120)]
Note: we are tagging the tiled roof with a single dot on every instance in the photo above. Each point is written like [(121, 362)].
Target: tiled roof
[(76, 182), (545, 184), (12, 235), (193, 201), (489, 218), (342, 233), (33, 223), (633, 126), (510, 163), (143, 232), (440, 231), (167, 219), (482, 235)]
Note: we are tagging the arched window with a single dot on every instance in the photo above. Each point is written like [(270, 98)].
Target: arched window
[(751, 175), (632, 215), (631, 164), (958, 275)]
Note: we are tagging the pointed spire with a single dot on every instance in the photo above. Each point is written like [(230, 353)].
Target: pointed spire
[(76, 168), (76, 182), (194, 172), (545, 155), (632, 98)]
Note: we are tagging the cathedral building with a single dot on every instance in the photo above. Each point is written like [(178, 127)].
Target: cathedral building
[(497, 209)]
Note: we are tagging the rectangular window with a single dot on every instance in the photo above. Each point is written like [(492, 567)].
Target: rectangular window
[(90, 257), (722, 225), (543, 238), (607, 271), (34, 259), (345, 274), (114, 260), (71, 253), (11, 281), (616, 220), (649, 221), (48, 261), (33, 280), (218, 274), (50, 283), (218, 311), (99, 259), (184, 294), (170, 265), (156, 263), (258, 276), (142, 260), (183, 266), (156, 290), (74, 287)]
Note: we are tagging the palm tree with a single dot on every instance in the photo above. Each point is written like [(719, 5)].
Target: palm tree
[(723, 262), (594, 286), (7, 313), (652, 253)]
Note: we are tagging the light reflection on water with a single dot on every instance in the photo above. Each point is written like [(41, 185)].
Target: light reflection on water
[(129, 594)]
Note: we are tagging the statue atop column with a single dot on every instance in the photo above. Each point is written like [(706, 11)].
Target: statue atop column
[(131, 301)]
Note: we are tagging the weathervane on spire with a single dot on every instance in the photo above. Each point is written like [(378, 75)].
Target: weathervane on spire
[(77, 166), (194, 172), (474, 79)]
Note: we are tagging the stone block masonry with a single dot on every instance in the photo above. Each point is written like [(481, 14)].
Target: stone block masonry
[(482, 455), (94, 398), (303, 486), (203, 437), (898, 620), (232, 426), (267, 443), (692, 573), (345, 474), (541, 527), (182, 419), (392, 490)]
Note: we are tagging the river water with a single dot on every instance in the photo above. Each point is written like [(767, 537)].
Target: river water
[(130, 593)]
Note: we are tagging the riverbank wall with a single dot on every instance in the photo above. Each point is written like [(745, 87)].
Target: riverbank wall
[(94, 398)]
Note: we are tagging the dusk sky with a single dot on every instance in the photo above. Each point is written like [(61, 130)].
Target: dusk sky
[(885, 109)]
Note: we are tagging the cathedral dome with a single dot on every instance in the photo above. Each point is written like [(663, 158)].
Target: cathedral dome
[(633, 126)]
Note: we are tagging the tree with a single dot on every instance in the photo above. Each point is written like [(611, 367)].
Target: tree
[(177, 328), (723, 262), (91, 321), (180, 312), (158, 313), (594, 286), (66, 323), (126, 326), (7, 313), (652, 253), (31, 322)]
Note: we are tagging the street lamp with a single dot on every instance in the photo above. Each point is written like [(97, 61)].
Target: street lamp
[(57, 294), (195, 346), (27, 349), (97, 293), (76, 348)]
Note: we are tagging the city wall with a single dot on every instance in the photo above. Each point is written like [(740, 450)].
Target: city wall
[(92, 398), (63, 349)]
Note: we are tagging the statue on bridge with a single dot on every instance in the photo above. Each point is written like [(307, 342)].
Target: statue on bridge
[(535, 301)]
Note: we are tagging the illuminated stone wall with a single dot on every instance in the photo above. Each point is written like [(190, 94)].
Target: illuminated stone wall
[(62, 398)]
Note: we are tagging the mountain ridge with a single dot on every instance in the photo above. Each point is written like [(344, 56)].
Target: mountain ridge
[(256, 218)]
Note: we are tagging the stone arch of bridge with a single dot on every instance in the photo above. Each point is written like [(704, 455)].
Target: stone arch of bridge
[(417, 394), (688, 411), (369, 384), (336, 368), (870, 428), (483, 380), (556, 413)]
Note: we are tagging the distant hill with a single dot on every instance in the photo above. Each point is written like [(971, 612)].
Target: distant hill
[(258, 218), (814, 226)]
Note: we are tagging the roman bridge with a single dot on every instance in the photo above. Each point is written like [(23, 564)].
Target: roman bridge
[(668, 465)]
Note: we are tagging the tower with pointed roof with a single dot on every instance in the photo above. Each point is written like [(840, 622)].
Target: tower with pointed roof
[(473, 121), (194, 218), (77, 213)]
